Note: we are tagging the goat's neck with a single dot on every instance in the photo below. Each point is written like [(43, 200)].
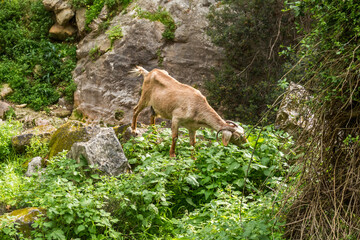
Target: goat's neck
[(214, 121)]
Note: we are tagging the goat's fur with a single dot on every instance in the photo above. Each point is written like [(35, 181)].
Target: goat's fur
[(184, 105)]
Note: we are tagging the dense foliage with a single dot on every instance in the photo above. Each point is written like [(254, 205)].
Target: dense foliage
[(37, 69), (251, 34), (327, 62), (229, 192)]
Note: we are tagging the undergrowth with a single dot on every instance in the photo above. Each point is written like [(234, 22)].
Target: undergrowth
[(209, 191), (37, 69)]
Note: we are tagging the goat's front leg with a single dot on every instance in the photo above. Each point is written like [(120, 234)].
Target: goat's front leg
[(174, 130), (192, 135)]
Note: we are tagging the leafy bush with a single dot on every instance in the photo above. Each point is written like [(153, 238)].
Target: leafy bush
[(162, 16)]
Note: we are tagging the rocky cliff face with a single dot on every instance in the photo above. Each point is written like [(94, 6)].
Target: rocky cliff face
[(107, 92)]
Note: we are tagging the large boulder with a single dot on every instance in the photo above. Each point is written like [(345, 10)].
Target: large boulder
[(44, 132), (70, 133), (104, 151), (104, 84)]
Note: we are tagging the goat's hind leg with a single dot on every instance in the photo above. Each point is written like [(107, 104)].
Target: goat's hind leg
[(153, 116), (137, 110)]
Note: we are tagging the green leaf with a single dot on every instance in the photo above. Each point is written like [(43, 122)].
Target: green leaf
[(192, 181), (80, 228), (233, 166), (95, 176), (58, 234), (190, 201)]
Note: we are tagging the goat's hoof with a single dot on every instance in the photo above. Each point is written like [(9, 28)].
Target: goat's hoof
[(134, 132), (173, 155)]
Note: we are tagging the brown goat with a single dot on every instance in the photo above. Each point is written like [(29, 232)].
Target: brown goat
[(183, 105)]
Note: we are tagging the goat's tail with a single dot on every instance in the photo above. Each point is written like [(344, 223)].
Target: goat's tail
[(139, 71)]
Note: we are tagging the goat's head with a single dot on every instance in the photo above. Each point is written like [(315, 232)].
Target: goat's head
[(232, 133)]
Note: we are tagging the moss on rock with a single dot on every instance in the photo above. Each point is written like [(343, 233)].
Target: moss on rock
[(25, 217), (70, 133)]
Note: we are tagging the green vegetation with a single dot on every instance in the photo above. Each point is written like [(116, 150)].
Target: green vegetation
[(95, 53), (251, 34), (114, 33), (38, 70), (7, 130), (162, 16), (226, 191), (94, 7)]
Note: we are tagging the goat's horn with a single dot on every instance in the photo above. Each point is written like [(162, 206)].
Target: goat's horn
[(231, 129), (233, 123), (217, 134)]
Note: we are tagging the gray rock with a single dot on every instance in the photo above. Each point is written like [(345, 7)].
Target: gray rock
[(293, 112), (81, 20), (104, 85), (103, 150), (64, 16), (20, 142), (128, 133), (4, 107), (5, 90), (103, 15), (51, 5), (34, 166), (61, 113)]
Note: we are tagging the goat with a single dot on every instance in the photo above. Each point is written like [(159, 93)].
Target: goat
[(184, 106)]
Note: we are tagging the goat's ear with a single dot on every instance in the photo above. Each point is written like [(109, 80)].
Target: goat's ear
[(226, 135)]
